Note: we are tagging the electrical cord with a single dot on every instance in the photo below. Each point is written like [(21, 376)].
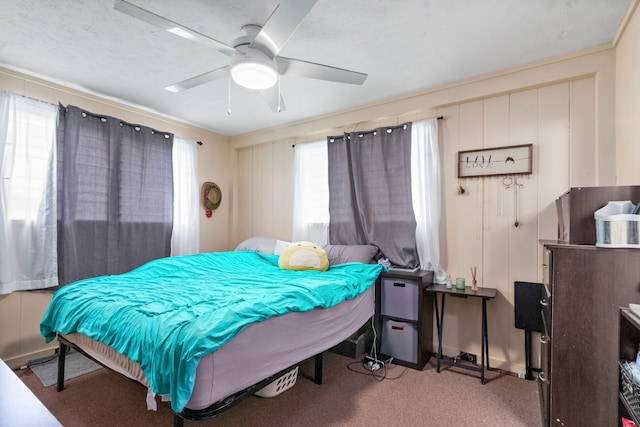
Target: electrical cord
[(45, 359), (373, 353), (371, 364), (379, 374)]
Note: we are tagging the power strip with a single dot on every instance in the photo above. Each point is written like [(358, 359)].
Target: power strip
[(375, 364)]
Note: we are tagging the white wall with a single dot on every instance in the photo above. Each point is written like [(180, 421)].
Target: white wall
[(565, 108), (628, 103)]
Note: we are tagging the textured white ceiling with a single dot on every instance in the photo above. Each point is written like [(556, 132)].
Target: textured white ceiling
[(404, 46)]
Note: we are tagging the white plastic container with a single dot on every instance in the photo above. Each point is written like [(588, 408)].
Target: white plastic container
[(616, 226), (285, 382)]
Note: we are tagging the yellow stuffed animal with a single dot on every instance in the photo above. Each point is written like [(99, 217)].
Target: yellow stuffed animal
[(303, 256)]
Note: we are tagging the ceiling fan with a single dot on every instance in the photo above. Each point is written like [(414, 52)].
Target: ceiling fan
[(255, 63)]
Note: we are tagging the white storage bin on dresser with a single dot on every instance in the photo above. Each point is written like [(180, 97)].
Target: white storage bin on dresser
[(400, 339), (404, 317)]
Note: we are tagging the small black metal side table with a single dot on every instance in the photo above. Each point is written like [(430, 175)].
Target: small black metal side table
[(485, 294)]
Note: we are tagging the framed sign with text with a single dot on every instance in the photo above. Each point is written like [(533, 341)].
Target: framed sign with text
[(511, 160)]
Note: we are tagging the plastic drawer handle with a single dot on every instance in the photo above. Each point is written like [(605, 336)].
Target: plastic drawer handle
[(543, 302), (541, 377), (397, 328), (398, 284)]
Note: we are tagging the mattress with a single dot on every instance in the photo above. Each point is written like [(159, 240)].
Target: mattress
[(257, 352)]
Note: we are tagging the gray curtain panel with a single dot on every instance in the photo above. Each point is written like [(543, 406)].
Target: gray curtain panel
[(115, 195), (370, 192)]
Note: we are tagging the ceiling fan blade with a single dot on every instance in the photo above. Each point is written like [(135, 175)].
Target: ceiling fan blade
[(271, 95), (199, 80), (282, 23), (170, 26), (298, 68)]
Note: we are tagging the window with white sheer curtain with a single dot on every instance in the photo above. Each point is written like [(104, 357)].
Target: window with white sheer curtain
[(28, 195), (185, 238), (311, 193), (28, 255), (426, 194)]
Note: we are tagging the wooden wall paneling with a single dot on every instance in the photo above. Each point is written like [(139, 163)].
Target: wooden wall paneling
[(498, 207), (10, 308), (523, 239), (469, 223), (286, 171), (552, 166), (277, 206), (264, 186), (552, 157), (523, 129), (245, 194), (30, 336), (449, 135), (582, 136), (282, 183), (448, 147), (627, 98), (257, 216)]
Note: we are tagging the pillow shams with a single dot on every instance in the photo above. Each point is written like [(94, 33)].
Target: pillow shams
[(340, 254)]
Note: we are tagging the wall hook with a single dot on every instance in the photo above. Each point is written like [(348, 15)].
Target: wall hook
[(461, 189), (515, 182)]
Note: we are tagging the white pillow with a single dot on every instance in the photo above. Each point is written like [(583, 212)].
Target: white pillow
[(280, 246), (260, 244)]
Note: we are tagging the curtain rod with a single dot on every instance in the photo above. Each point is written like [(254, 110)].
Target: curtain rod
[(388, 127), (104, 119)]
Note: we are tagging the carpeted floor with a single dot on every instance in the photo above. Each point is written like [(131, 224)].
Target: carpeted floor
[(346, 398), (75, 365)]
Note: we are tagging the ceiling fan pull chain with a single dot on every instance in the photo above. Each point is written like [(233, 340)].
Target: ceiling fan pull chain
[(279, 96), (229, 98)]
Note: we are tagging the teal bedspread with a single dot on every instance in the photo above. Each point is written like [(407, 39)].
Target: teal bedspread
[(168, 313)]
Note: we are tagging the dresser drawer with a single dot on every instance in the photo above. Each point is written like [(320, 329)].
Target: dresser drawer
[(400, 340), (399, 298)]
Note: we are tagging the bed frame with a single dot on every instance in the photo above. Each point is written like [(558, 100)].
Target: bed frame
[(357, 312), (191, 414)]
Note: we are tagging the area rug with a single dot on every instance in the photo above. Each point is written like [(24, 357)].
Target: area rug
[(75, 365)]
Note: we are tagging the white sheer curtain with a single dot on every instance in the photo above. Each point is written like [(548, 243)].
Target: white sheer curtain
[(426, 194), (311, 193), (28, 253), (185, 238)]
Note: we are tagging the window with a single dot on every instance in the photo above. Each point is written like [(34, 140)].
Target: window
[(28, 255), (28, 153), (311, 193)]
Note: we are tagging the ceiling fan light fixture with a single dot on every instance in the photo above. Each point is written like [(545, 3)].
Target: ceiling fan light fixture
[(253, 70)]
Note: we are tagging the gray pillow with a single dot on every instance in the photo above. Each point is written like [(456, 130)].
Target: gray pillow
[(264, 245), (340, 254)]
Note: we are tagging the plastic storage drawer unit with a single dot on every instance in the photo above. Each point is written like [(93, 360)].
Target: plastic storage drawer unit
[(400, 340), (399, 298)]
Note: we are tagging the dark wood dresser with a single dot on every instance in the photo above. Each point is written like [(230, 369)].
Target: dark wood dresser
[(585, 287)]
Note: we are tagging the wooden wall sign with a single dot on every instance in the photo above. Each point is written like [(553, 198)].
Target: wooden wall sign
[(511, 160)]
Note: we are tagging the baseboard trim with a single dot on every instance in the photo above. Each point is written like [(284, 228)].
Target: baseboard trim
[(21, 361)]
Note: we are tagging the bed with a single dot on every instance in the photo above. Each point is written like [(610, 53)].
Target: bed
[(196, 356)]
